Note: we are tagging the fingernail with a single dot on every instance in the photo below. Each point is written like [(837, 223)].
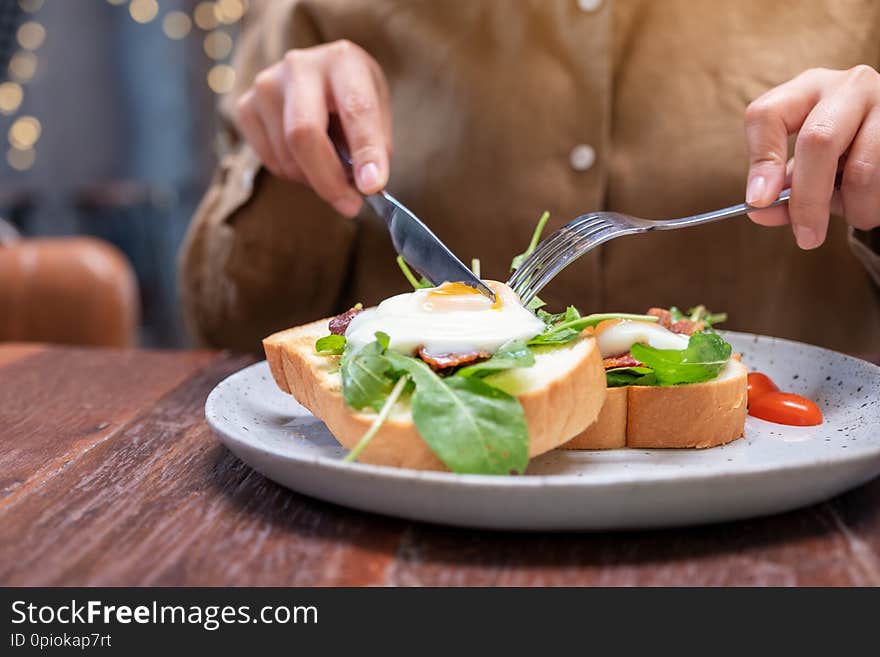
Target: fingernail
[(806, 237), (348, 205), (368, 176), (755, 190)]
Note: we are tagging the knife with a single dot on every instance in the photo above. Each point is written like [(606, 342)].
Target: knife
[(421, 248)]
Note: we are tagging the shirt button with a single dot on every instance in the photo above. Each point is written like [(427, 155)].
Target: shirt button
[(589, 5), (582, 157)]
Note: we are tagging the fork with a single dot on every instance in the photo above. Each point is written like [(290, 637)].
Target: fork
[(588, 231)]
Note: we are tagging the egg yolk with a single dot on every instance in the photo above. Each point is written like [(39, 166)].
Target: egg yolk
[(458, 296)]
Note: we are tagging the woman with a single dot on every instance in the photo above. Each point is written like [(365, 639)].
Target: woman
[(500, 109)]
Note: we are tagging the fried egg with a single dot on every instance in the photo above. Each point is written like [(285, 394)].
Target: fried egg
[(616, 337), (449, 319)]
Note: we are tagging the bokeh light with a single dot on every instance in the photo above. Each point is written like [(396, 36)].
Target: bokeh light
[(21, 159), (24, 132), (11, 95), (143, 11), (30, 6), (117, 2), (176, 25), (221, 78), (23, 65), (31, 35), (218, 45), (205, 15), (229, 11)]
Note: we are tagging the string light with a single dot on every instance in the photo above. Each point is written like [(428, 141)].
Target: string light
[(143, 11), (24, 132), (21, 159), (205, 15), (229, 11), (30, 6), (176, 25), (31, 35), (11, 95), (23, 66), (218, 45), (221, 78)]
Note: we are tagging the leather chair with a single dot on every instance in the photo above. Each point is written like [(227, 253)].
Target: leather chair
[(71, 290)]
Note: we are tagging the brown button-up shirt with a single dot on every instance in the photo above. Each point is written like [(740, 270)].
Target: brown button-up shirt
[(505, 108)]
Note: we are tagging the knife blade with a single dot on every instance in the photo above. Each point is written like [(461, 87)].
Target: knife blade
[(419, 246)]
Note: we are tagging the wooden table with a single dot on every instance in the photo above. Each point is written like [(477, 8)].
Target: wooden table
[(110, 476)]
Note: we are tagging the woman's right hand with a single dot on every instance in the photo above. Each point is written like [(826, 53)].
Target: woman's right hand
[(285, 115)]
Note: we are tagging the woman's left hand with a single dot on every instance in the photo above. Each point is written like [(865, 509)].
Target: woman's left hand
[(836, 115)]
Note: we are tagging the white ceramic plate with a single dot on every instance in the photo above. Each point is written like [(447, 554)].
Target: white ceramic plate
[(774, 468)]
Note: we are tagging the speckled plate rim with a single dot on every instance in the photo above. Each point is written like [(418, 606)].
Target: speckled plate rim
[(238, 438)]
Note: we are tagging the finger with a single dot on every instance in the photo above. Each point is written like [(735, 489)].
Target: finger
[(270, 106), (305, 133), (860, 188), (769, 120), (826, 133), (252, 130), (356, 99), (778, 215)]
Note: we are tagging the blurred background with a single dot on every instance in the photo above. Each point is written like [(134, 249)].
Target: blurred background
[(107, 109)]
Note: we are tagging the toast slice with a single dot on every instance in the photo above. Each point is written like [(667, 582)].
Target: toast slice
[(561, 394), (695, 415)]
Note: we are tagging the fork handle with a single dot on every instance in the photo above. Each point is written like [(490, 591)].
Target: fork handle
[(724, 213)]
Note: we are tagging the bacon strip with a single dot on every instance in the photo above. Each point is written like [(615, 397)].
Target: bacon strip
[(683, 326), (339, 324), (445, 361), (626, 360), (687, 327), (663, 315)]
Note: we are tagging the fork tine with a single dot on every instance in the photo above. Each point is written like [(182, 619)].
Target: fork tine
[(564, 234), (540, 261), (563, 259), (548, 253)]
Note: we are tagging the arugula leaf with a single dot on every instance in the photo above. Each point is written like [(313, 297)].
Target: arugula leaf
[(698, 313), (701, 313), (702, 360), (471, 426), (567, 329), (516, 263), (536, 302), (628, 376), (364, 380), (330, 345), (390, 401), (417, 284), (513, 354), (570, 314)]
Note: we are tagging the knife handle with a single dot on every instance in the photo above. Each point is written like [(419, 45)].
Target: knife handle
[(337, 138)]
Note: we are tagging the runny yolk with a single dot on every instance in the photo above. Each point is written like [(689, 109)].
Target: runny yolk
[(458, 296)]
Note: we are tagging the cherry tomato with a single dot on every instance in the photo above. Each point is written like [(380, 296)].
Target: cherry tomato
[(786, 408), (760, 385)]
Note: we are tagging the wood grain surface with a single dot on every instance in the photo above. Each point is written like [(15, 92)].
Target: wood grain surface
[(110, 476)]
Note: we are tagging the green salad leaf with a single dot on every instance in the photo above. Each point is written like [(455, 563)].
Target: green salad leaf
[(630, 376), (569, 327), (471, 426), (364, 380), (417, 283), (513, 354), (698, 313), (702, 360), (517, 261), (330, 345)]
